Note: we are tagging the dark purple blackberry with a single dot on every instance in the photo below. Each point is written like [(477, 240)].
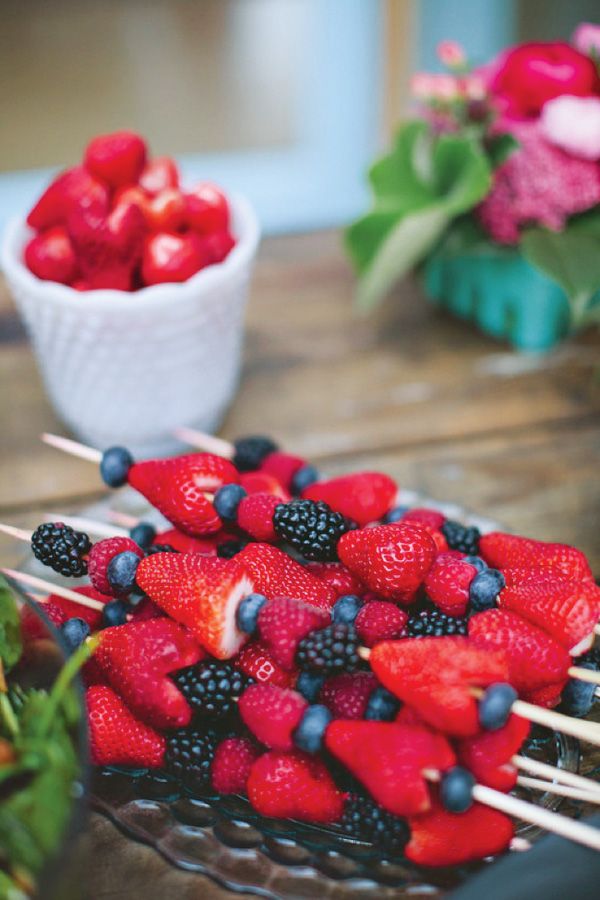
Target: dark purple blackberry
[(330, 650), (211, 688), (251, 451), (312, 527), (461, 537), (189, 755), (160, 548), (62, 548), (365, 820), (435, 623), (229, 549)]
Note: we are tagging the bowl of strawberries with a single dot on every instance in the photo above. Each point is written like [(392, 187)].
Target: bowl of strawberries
[(133, 289)]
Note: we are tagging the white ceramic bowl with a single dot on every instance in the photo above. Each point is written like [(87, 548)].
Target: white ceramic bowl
[(128, 368)]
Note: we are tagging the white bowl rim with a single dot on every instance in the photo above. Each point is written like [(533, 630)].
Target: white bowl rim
[(207, 281)]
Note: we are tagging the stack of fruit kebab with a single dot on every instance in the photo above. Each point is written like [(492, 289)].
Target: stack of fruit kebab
[(287, 625)]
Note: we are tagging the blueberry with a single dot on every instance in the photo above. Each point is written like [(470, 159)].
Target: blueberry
[(115, 465), (74, 632), (456, 790), (121, 571), (229, 549), (303, 478), (346, 609), (382, 705), (247, 612), (395, 514), (114, 613), (476, 561), (309, 734), (309, 684), (227, 499), (484, 589), (495, 706), (578, 696), (143, 534)]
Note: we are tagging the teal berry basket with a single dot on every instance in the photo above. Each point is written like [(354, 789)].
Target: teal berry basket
[(503, 295)]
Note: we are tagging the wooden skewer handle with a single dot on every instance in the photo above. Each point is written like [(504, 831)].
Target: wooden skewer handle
[(206, 442), (90, 526), (579, 728), (553, 773), (561, 790), (34, 581), (19, 533), (589, 675), (72, 447)]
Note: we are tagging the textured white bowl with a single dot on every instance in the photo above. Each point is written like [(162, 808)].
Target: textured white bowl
[(128, 368)]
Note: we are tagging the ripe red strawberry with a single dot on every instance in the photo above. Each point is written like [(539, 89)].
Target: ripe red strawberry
[(158, 174), (338, 577), (116, 158), (487, 755), (166, 211), (69, 190), (282, 466), (535, 659), (389, 760), (136, 659), (436, 675), (185, 543), (294, 785), (117, 738), (101, 554), (51, 257), (255, 660), (548, 696), (392, 560), (420, 515), (378, 621), (347, 695), (206, 209), (282, 623), (231, 765), (361, 496), (171, 257), (447, 585), (109, 247), (441, 838), (176, 487), (58, 610), (201, 592), (263, 483), (275, 574), (510, 551), (216, 246), (272, 714), (255, 516), (564, 609)]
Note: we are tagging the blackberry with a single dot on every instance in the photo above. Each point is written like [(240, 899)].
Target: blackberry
[(62, 548), (365, 820), (211, 688), (313, 528), (329, 650), (189, 755), (229, 549), (251, 451), (160, 548), (462, 537), (435, 623)]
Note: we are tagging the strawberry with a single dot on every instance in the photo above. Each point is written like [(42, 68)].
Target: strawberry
[(275, 574), (255, 660), (158, 174), (392, 560), (338, 577), (436, 675), (487, 755), (71, 189), (166, 210), (294, 785), (420, 515), (535, 659), (282, 466), (388, 759), (201, 592), (171, 258), (101, 554), (347, 695), (510, 551), (116, 158), (361, 496), (447, 585), (548, 696), (185, 543), (272, 714), (441, 838), (176, 487), (206, 209), (567, 610), (51, 257), (216, 246), (58, 610), (231, 765), (378, 621), (282, 623), (117, 738), (136, 659), (263, 483), (109, 247), (255, 516)]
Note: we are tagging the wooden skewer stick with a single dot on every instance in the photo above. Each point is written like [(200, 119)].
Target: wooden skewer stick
[(90, 526), (535, 767), (73, 447), (597, 692), (206, 442), (35, 582), (581, 674), (19, 533), (561, 790), (597, 629), (123, 519)]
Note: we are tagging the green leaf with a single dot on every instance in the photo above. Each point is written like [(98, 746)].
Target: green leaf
[(500, 147), (400, 179), (10, 627)]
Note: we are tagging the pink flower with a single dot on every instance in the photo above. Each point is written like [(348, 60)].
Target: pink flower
[(573, 123), (425, 86), (451, 54), (538, 184), (586, 38), (473, 87), (422, 85)]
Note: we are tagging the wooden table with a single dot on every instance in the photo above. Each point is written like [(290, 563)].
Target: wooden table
[(410, 391)]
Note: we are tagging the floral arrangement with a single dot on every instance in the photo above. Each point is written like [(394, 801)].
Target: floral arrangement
[(503, 159)]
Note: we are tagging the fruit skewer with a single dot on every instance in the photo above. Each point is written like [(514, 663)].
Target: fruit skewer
[(50, 588), (561, 790), (91, 526)]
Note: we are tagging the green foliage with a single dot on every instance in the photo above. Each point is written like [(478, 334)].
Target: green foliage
[(10, 628)]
